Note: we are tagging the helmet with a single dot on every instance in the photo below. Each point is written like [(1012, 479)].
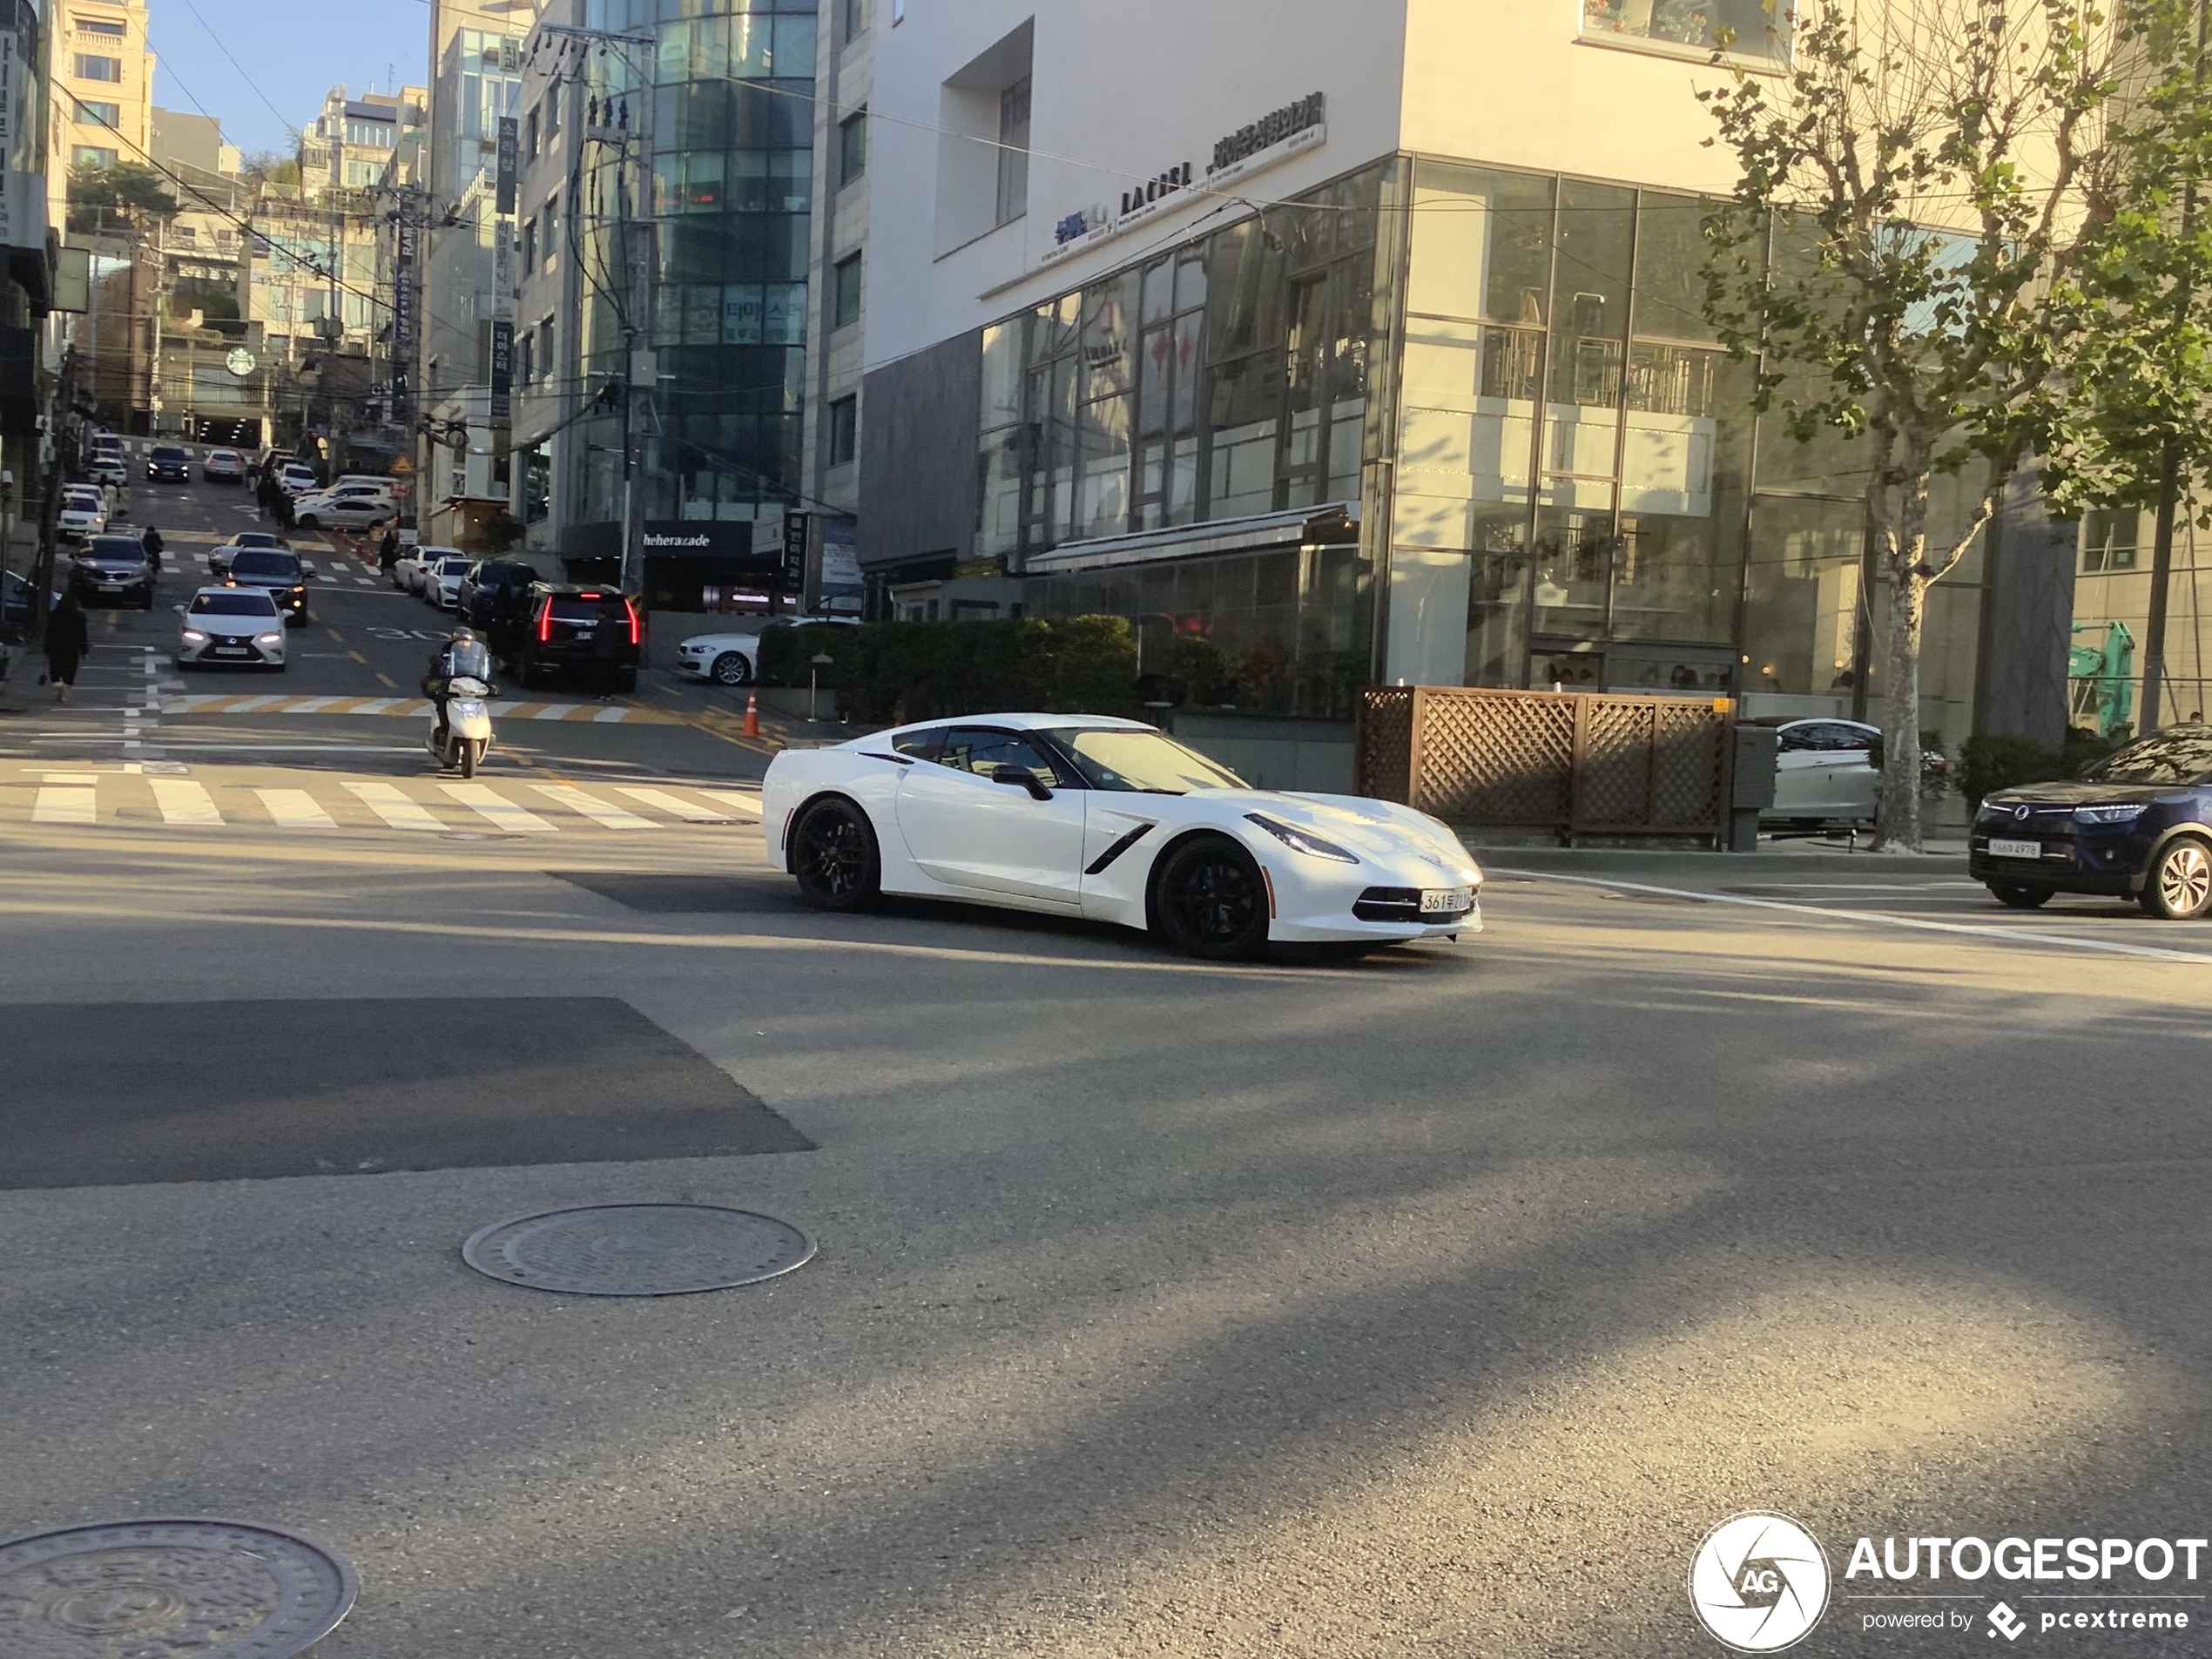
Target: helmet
[(465, 637)]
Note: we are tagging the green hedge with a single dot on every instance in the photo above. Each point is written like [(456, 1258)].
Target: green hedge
[(1987, 763), (898, 671)]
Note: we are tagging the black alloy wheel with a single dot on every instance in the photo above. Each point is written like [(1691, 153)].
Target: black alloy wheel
[(2018, 895), (2178, 885), (1209, 901), (833, 856), (731, 669)]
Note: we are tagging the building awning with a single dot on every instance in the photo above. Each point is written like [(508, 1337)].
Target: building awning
[(1335, 522)]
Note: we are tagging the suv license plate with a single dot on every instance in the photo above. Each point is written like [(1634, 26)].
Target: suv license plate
[(230, 651), (2014, 849), (1438, 900)]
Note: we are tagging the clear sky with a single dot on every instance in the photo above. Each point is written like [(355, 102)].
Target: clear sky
[(287, 56)]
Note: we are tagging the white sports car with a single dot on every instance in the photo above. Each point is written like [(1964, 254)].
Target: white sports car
[(1082, 815)]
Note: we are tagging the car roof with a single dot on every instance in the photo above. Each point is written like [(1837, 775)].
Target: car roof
[(219, 587), (1023, 723), (130, 542)]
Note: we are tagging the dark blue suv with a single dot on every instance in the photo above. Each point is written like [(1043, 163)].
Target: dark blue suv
[(2136, 825)]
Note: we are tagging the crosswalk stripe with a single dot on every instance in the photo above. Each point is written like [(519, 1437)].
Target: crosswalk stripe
[(736, 800), (312, 705), (246, 703), (183, 801), (295, 809), (668, 803), (388, 803), (600, 811), (483, 799), (64, 804)]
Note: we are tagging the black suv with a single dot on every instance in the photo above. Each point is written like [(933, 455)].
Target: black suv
[(492, 601), (113, 569), (2137, 824), (168, 460), (277, 571), (596, 631)]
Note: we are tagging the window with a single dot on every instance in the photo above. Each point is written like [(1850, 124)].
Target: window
[(1014, 151), (983, 751), (857, 18), (552, 227), (553, 111), (844, 431), (91, 155), (845, 292), (852, 147), (100, 115), (1755, 28), (90, 68), (184, 235), (2109, 539), (529, 135), (529, 243), (100, 26)]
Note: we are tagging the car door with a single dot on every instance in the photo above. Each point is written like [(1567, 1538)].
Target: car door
[(1798, 779), (966, 830), (1847, 761)]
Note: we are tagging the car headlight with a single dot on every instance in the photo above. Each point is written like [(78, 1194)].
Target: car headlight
[(269, 639), (193, 636), (2126, 815), (1297, 840)]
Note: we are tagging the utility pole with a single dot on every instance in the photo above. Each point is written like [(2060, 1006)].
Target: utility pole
[(2169, 475)]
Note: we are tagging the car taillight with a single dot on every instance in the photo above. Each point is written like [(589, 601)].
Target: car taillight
[(630, 605), (545, 622)]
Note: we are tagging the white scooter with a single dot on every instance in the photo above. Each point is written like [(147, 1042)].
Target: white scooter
[(467, 726)]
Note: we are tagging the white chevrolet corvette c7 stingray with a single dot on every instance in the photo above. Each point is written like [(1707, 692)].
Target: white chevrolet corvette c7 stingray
[(1084, 815)]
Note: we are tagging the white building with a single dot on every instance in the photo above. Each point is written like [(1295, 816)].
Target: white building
[(1337, 346)]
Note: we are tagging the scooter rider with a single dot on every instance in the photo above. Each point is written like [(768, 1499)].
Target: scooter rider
[(463, 657)]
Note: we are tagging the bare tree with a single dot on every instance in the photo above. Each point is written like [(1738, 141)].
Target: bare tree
[(1924, 201)]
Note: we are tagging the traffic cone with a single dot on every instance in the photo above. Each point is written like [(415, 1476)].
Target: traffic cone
[(751, 714)]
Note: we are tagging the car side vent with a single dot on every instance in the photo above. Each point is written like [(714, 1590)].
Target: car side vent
[(1388, 904)]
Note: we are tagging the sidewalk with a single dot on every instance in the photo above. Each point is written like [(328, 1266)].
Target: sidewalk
[(1946, 856)]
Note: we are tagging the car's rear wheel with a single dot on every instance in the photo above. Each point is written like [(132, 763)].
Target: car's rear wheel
[(2018, 896), (833, 856), (2179, 887), (731, 669), (1209, 899)]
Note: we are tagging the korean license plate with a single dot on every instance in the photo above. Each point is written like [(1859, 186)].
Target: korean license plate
[(2003, 849), (114, 587), (1446, 900), (230, 651)]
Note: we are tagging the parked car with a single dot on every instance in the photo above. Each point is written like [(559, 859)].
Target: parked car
[(241, 627), (223, 466), (492, 600), (364, 512), (2136, 824), (389, 487), (597, 631), (113, 569), (169, 464), (277, 573), (296, 479), (411, 569), (442, 580), (108, 468), (733, 658), (83, 512)]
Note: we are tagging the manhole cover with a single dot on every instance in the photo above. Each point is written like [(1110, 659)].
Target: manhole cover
[(637, 1249), (217, 1589)]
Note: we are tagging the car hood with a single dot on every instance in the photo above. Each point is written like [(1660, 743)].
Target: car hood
[(234, 627), (263, 579), (2077, 792), (1378, 829), (722, 642)]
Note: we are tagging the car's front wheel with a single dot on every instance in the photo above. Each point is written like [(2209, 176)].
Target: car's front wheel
[(1209, 899), (2018, 896), (833, 857), (731, 669), (2179, 887)]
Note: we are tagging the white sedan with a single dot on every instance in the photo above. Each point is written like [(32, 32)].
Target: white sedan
[(1084, 815), (409, 569), (239, 627), (82, 514), (441, 579), (347, 512), (734, 659)]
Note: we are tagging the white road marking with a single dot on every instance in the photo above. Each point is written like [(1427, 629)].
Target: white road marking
[(1920, 923), (735, 799), (310, 705), (57, 804), (675, 804), (295, 809), (388, 803), (183, 801), (252, 703), (483, 799), (603, 813), (608, 715)]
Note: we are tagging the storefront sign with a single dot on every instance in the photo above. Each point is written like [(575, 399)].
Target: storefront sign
[(1291, 130), (509, 153), (11, 90), (403, 317), (502, 373), (22, 209), (728, 539)]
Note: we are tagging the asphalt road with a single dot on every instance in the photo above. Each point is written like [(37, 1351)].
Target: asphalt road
[(1435, 1304)]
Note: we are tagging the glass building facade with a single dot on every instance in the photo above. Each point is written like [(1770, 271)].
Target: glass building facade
[(731, 84), (1550, 468)]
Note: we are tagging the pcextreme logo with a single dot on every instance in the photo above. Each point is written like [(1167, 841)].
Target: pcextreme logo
[(1759, 1582)]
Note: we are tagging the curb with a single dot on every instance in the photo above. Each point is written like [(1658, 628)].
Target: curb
[(1629, 861)]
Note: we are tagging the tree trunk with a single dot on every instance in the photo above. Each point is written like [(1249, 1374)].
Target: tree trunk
[(1899, 808)]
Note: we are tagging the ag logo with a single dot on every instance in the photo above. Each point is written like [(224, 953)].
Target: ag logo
[(1759, 1582)]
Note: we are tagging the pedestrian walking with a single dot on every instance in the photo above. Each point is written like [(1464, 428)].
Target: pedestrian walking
[(387, 551), (67, 640)]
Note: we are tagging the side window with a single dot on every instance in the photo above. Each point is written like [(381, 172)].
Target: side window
[(1796, 739), (922, 745), (983, 751), (1849, 737)]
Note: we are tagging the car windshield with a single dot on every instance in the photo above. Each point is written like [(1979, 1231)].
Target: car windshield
[(168, 454), (2181, 755), (257, 538), (453, 567), (117, 547), (1145, 761), (232, 604), (264, 561)]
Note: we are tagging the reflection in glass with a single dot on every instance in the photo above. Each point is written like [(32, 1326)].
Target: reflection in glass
[(1572, 556), (1497, 628), (1482, 244)]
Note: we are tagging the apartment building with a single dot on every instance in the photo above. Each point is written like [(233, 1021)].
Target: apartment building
[(103, 102), (1365, 352)]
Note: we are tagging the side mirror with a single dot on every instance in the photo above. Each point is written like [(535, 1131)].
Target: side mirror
[(1023, 778)]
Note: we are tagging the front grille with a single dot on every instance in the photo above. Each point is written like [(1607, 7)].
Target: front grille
[(1388, 904)]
